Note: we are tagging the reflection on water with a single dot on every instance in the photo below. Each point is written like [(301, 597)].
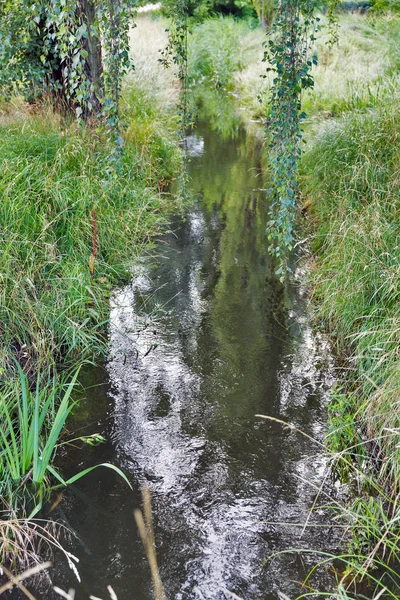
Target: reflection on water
[(199, 344), (218, 108)]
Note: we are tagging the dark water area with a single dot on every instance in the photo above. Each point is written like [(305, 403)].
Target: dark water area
[(202, 340)]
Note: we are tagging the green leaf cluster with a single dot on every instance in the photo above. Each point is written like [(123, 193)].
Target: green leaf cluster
[(290, 59), (52, 44)]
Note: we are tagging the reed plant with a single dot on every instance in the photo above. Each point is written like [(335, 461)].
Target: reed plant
[(31, 422)]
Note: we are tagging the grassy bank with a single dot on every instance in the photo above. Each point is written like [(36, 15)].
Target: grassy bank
[(69, 234), (56, 204), (351, 177)]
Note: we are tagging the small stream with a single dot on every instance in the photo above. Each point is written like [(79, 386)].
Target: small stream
[(202, 339)]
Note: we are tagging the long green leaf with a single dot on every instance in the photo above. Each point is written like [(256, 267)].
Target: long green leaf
[(9, 457), (23, 419), (56, 475), (35, 511), (10, 445), (32, 439), (89, 469), (36, 440), (62, 413)]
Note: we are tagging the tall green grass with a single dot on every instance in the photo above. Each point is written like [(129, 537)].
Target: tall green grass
[(351, 176), (215, 52), (219, 49), (360, 72), (55, 199)]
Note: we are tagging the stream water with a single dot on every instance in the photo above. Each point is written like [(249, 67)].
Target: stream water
[(202, 340)]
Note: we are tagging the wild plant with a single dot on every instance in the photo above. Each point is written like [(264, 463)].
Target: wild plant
[(31, 424)]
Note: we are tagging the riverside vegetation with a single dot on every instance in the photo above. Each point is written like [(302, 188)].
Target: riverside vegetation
[(69, 233), (56, 210)]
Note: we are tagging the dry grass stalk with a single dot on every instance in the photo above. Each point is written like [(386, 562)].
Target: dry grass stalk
[(17, 579), (146, 531), (70, 595)]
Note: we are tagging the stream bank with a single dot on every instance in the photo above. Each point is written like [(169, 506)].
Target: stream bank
[(350, 178), (71, 222)]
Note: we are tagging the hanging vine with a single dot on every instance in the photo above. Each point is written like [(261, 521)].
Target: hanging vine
[(176, 53), (333, 22), (288, 54), (115, 21), (290, 57)]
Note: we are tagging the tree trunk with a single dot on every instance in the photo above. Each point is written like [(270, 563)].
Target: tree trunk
[(263, 19), (94, 66)]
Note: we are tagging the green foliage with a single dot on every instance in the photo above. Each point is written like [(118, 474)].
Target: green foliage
[(177, 49), (218, 51), (289, 58), (64, 28), (54, 305), (199, 10), (56, 45), (381, 6), (21, 69), (214, 58), (342, 438)]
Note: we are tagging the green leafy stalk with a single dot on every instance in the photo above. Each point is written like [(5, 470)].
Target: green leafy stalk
[(289, 58)]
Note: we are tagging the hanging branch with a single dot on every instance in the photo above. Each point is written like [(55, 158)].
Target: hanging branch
[(176, 53), (289, 58), (115, 20), (333, 22)]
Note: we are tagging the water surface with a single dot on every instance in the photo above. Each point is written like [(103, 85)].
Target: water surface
[(202, 339)]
